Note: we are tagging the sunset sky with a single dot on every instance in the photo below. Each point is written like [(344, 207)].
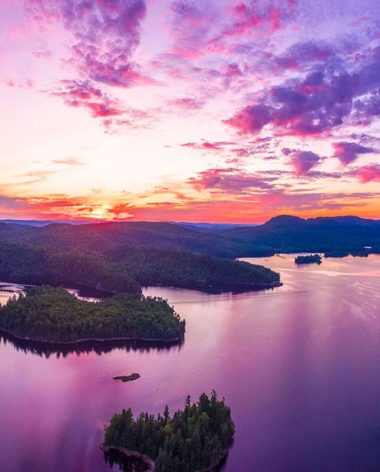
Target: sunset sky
[(204, 110)]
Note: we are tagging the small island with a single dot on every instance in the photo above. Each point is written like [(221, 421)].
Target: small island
[(336, 254), (53, 315), (127, 378), (308, 259), (196, 438)]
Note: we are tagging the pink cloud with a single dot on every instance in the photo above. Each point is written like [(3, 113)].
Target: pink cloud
[(369, 173), (209, 146), (187, 103), (79, 94), (251, 119), (21, 84), (42, 53), (68, 161)]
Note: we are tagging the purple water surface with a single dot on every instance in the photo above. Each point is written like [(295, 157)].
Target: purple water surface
[(299, 366)]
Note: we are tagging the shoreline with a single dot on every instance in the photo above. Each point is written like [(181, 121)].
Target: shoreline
[(238, 288), (150, 463), (91, 340), (93, 292)]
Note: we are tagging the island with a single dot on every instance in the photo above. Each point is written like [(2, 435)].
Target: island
[(127, 378), (53, 315), (196, 438), (308, 259)]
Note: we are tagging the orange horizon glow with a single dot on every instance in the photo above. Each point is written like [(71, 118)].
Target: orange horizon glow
[(225, 111)]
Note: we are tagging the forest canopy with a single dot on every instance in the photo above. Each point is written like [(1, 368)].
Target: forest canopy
[(127, 268), (175, 268), (54, 315)]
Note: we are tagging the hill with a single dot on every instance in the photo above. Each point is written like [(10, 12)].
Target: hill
[(289, 234), (127, 255), (118, 257)]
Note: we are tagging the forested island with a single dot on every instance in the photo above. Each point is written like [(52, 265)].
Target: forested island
[(54, 315), (309, 259), (193, 439)]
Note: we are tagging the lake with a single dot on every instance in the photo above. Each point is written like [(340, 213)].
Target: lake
[(299, 365)]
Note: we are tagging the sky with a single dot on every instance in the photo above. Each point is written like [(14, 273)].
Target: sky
[(189, 110)]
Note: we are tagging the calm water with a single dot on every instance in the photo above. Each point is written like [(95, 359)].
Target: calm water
[(300, 367)]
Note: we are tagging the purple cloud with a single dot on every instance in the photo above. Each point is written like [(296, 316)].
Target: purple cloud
[(191, 25), (349, 152), (321, 100), (303, 161), (232, 181), (304, 53), (106, 34)]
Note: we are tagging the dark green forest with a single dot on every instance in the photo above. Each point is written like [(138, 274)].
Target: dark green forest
[(175, 268), (127, 269), (55, 315), (31, 264), (191, 439)]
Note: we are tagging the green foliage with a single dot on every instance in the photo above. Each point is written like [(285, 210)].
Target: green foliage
[(53, 314), (125, 268), (193, 438), (171, 267), (32, 264)]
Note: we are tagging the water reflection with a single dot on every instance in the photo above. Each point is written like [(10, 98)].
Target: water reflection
[(118, 461), (57, 350)]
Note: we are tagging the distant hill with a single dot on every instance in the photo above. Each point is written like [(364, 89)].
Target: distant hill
[(213, 227), (292, 234), (284, 233), (125, 256), (41, 223)]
